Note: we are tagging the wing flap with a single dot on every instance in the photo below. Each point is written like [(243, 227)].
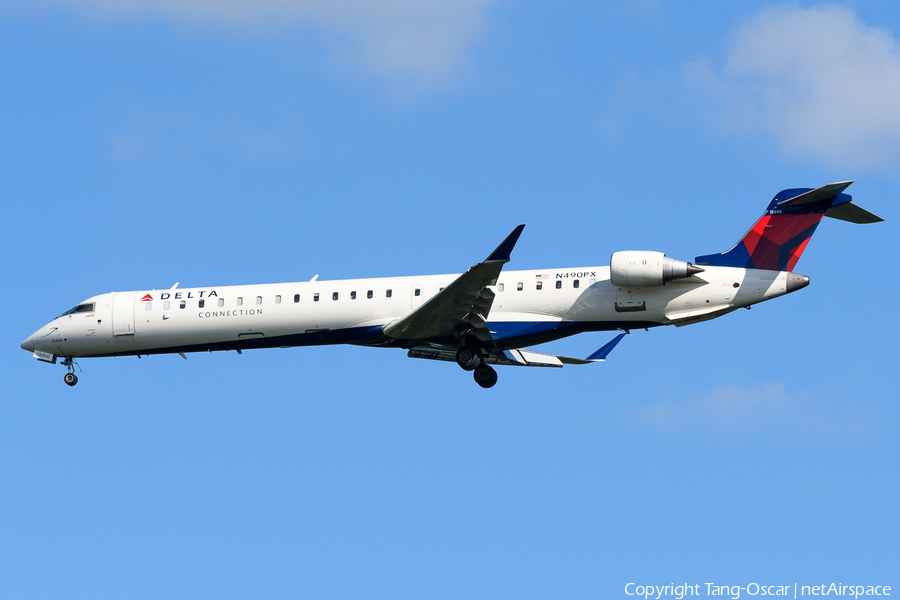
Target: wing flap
[(513, 357), (519, 357)]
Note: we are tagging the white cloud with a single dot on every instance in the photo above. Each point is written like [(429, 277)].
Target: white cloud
[(140, 132), (767, 408), (817, 80), (415, 44)]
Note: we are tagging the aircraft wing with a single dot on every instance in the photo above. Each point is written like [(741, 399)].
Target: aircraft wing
[(462, 305), (520, 357)]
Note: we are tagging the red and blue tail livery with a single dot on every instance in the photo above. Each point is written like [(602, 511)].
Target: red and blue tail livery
[(781, 234)]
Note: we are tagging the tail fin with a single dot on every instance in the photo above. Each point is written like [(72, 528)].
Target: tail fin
[(779, 237)]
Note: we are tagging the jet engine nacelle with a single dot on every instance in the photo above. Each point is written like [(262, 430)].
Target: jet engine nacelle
[(634, 268)]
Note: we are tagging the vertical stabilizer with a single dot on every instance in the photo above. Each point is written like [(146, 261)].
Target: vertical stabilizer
[(779, 237)]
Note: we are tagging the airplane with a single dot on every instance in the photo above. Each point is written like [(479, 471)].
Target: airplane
[(483, 317)]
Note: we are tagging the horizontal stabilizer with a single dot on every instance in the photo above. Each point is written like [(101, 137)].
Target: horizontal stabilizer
[(826, 192), (852, 213)]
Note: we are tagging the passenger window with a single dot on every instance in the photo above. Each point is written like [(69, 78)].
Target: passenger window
[(315, 297), (592, 282), (166, 305), (369, 294), (559, 284), (148, 305), (259, 299), (202, 303), (519, 286), (418, 292), (240, 301), (540, 285), (221, 302), (353, 295), (388, 294), (277, 299), (500, 287), (183, 304), (575, 284), (296, 297), (334, 296)]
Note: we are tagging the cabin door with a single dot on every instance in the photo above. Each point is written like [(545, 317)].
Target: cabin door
[(123, 313)]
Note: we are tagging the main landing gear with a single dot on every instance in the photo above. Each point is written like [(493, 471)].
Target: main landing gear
[(485, 376), (468, 359), (472, 360), (70, 378)]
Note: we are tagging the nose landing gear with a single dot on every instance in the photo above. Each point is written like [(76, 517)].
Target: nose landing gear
[(70, 378)]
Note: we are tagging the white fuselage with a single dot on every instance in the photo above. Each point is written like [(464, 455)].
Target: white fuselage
[(529, 307)]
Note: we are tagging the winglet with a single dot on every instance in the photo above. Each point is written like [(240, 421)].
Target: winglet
[(603, 352), (506, 246)]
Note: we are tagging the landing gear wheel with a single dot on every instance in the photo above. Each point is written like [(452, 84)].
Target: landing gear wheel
[(70, 377), (468, 359), (485, 376)]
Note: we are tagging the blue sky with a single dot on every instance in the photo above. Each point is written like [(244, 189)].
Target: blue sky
[(212, 143)]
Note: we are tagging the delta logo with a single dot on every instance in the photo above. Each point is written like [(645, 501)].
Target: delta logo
[(147, 298)]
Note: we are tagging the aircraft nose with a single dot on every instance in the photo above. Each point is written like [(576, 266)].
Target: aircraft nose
[(28, 345)]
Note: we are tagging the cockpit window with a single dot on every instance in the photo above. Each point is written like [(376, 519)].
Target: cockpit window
[(81, 308)]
